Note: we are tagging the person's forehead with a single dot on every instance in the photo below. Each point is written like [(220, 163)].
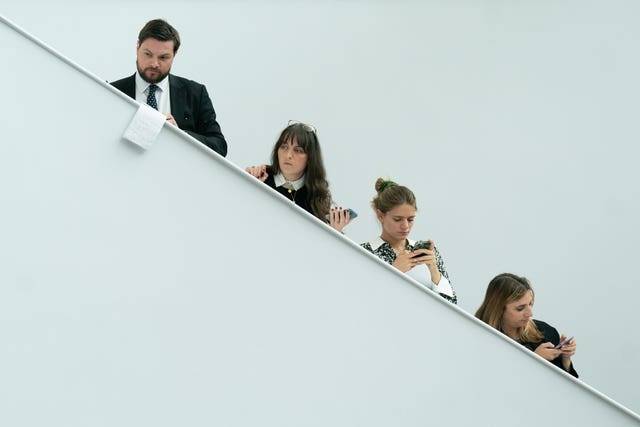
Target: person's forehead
[(157, 46), (291, 140), (528, 296), (404, 210)]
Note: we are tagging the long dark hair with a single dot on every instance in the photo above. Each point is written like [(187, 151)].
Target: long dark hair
[(315, 176)]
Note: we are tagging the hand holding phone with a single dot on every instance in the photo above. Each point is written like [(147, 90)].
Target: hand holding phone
[(563, 342), (352, 214), (421, 244)]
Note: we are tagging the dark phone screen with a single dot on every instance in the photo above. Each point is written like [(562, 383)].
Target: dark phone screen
[(421, 244)]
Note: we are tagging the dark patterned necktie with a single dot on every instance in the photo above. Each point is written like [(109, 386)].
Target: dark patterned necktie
[(151, 97)]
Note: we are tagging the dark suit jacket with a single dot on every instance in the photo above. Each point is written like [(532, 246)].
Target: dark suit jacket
[(191, 107)]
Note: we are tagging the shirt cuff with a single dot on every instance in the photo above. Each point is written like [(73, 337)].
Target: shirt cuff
[(444, 287)]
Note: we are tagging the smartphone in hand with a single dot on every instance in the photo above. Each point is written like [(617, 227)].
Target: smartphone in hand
[(421, 244), (563, 342), (352, 214)]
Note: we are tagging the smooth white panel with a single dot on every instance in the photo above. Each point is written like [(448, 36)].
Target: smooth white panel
[(513, 123)]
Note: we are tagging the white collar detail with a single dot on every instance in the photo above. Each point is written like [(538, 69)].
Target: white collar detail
[(142, 85), (377, 242), (280, 180)]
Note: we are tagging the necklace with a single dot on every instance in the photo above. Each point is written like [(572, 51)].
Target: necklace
[(292, 193)]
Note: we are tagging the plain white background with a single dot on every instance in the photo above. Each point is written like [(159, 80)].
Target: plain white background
[(514, 123)]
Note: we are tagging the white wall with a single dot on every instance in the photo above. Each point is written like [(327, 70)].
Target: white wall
[(512, 121), (137, 290)]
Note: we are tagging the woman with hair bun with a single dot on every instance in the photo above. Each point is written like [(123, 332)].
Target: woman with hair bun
[(395, 207)]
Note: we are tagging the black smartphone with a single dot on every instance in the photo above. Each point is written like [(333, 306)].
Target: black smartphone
[(563, 342), (421, 244), (352, 214)]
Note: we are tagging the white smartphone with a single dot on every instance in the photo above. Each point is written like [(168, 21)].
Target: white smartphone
[(563, 342)]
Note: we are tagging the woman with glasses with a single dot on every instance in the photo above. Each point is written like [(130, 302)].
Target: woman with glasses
[(508, 307), (297, 172), (395, 207)]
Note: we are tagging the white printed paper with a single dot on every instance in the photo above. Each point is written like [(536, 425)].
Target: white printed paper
[(145, 126)]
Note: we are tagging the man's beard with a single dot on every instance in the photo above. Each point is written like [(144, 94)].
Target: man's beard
[(148, 79)]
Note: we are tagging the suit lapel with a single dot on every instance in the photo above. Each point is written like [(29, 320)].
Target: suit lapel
[(177, 99), (129, 87)]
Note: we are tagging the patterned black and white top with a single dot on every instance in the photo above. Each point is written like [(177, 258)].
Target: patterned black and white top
[(385, 252)]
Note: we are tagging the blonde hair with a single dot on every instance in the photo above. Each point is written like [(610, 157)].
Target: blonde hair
[(502, 290)]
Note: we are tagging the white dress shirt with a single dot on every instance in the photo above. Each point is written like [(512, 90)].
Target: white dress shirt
[(162, 93)]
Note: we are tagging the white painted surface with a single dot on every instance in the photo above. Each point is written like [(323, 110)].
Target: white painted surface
[(514, 124)]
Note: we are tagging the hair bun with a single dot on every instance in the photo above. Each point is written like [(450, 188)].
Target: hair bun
[(382, 184)]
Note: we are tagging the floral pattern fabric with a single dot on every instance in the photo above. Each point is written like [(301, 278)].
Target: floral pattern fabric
[(387, 254)]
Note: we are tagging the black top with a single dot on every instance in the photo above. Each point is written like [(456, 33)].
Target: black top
[(300, 197), (550, 335)]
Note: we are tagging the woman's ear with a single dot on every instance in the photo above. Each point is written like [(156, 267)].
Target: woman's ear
[(379, 215)]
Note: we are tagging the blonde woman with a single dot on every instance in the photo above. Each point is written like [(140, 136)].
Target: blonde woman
[(508, 307)]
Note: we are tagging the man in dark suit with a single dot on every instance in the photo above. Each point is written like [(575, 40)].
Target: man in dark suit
[(185, 103)]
